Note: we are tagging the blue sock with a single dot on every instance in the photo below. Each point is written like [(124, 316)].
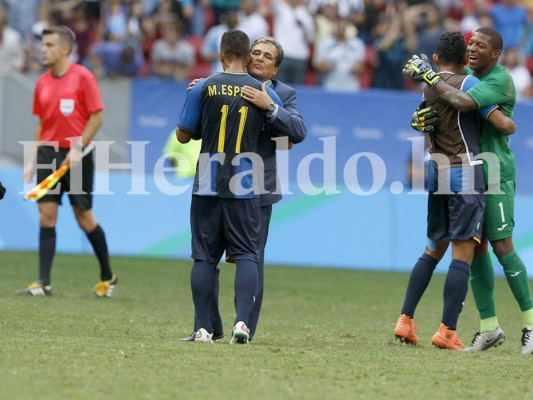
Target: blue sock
[(455, 289), (203, 276), (245, 288), (216, 319), (418, 282)]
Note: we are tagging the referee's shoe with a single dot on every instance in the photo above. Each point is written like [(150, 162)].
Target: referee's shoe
[(35, 289), (105, 289)]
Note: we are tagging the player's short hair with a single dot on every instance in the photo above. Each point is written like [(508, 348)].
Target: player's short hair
[(496, 40), (273, 42), (66, 35), (451, 48), (235, 43)]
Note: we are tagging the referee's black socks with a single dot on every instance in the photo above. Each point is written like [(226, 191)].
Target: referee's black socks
[(98, 241), (47, 250)]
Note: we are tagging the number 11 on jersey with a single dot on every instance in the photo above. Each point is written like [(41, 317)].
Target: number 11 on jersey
[(222, 131)]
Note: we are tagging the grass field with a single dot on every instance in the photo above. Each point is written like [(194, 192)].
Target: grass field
[(323, 334)]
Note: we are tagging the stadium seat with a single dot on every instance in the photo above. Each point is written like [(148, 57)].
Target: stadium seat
[(365, 77), (202, 68)]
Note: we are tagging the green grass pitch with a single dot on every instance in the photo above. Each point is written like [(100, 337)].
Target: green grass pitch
[(323, 334)]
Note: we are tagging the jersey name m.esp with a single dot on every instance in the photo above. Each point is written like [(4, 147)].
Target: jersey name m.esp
[(229, 127)]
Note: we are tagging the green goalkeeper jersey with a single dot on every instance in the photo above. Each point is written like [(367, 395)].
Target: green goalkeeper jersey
[(496, 87)]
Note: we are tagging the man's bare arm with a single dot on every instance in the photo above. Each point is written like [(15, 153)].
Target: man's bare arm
[(456, 98), (182, 136), (504, 124)]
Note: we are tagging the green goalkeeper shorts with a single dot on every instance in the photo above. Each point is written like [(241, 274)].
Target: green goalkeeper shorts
[(499, 213)]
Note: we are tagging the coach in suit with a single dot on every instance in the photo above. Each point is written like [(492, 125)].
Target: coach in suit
[(266, 55)]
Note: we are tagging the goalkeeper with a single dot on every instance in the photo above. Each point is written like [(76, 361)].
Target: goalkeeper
[(496, 87), (455, 212)]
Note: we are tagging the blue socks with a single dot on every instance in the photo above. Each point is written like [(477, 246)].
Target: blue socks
[(245, 288), (455, 289), (203, 279), (418, 282), (204, 285)]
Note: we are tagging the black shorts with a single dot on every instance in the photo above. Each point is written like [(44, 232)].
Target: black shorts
[(220, 224), (81, 196), (455, 216)]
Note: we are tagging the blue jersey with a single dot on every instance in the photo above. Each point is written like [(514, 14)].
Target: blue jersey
[(229, 127)]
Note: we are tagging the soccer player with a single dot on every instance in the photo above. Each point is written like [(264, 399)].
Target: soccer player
[(455, 212), (496, 87), (225, 207), (266, 55), (68, 104)]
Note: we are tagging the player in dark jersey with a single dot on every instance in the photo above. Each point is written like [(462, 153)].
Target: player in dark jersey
[(225, 208), (455, 211), (484, 50), (266, 56)]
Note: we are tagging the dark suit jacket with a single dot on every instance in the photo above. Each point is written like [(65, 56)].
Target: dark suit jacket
[(288, 122)]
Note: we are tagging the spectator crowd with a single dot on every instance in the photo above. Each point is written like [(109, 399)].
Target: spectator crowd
[(343, 45)]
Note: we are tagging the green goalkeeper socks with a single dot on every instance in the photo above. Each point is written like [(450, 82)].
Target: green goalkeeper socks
[(527, 318), (482, 282), (516, 274), (488, 324)]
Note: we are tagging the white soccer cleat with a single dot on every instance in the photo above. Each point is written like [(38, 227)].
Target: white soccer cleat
[(486, 340), (527, 341), (241, 333), (203, 336)]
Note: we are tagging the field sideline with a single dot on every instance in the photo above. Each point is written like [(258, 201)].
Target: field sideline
[(324, 334)]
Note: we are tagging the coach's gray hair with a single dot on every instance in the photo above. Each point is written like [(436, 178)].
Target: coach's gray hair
[(275, 43)]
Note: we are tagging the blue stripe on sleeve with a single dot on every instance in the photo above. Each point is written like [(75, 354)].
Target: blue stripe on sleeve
[(192, 109), (470, 82), (274, 96)]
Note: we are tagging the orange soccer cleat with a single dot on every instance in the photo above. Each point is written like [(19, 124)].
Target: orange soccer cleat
[(445, 338), (406, 330)]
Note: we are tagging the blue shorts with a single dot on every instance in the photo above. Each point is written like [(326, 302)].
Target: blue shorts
[(223, 224), (455, 216)]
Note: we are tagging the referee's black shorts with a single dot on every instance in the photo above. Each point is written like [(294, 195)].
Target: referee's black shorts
[(79, 193)]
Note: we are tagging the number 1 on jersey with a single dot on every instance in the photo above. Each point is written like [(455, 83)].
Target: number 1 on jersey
[(500, 204), (222, 131)]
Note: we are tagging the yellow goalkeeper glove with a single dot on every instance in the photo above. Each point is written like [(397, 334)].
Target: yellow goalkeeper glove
[(419, 69), (424, 120)]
